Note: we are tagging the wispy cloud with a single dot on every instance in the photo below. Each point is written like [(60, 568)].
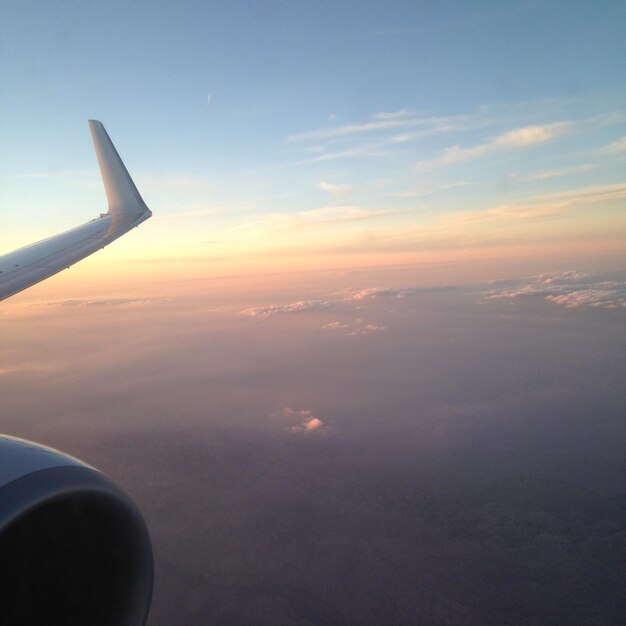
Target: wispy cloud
[(300, 306), (335, 189), (502, 214), (607, 119), (393, 115), (595, 193), (571, 289), (404, 118), (313, 218), (439, 125), (360, 152), (101, 302), (517, 139), (537, 207), (350, 129), (383, 292), (564, 171), (354, 329), (387, 130), (617, 147)]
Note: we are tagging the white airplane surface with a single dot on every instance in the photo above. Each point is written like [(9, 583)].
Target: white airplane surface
[(27, 266)]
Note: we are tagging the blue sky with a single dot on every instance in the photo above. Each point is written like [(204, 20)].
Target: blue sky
[(374, 116)]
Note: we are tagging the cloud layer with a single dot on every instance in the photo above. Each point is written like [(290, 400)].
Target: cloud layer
[(570, 289)]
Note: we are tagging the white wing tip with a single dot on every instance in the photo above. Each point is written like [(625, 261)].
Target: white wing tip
[(124, 200)]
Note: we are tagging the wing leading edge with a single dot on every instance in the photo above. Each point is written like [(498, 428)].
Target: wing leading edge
[(27, 266)]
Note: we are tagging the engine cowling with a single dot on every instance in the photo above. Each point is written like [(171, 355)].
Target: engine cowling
[(74, 548)]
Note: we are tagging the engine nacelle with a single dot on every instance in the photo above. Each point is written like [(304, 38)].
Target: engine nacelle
[(74, 548)]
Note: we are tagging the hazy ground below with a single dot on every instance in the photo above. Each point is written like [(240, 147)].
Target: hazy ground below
[(351, 456)]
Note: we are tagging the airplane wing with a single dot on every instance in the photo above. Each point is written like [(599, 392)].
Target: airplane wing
[(27, 266)]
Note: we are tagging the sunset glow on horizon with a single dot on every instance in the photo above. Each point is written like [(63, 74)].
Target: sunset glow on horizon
[(452, 171)]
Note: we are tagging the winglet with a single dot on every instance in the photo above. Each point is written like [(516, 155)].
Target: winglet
[(125, 203)]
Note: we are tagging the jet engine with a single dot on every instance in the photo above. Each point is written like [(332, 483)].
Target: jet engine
[(74, 548)]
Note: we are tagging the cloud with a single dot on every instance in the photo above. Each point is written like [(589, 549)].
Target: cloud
[(388, 292), (505, 213), (364, 151), (304, 306), (387, 129), (571, 289), (300, 306), (289, 412), (358, 326), (391, 115), (538, 207), (349, 129), (346, 300), (335, 189), (100, 302), (517, 139), (313, 424), (307, 422), (367, 329), (566, 171), (595, 193), (438, 125), (617, 147), (613, 297), (355, 328), (382, 147), (336, 326), (607, 119), (512, 140), (392, 120), (313, 218)]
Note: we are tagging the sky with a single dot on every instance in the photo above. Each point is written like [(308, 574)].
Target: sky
[(267, 136), (365, 363)]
